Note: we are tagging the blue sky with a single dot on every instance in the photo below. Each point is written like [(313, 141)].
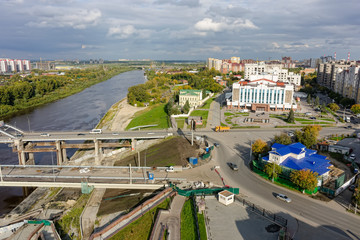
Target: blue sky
[(178, 29)]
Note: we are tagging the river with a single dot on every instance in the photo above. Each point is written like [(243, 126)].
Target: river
[(81, 111)]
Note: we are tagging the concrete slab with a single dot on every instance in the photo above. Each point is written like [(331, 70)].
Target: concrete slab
[(235, 222)]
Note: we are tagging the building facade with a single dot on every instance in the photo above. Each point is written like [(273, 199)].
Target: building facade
[(326, 75), (261, 68), (262, 95), (193, 96), (14, 65)]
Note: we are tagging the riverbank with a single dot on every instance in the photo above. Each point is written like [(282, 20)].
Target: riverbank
[(25, 106)]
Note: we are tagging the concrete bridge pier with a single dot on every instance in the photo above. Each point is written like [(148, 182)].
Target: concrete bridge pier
[(64, 155), (19, 145), (98, 152), (133, 144), (30, 159), (59, 153)]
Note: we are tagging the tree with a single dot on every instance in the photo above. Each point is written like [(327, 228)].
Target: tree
[(309, 99), (186, 107), (305, 179), (355, 108), (308, 136), (291, 117), (333, 107), (259, 146), (272, 170), (283, 138), (203, 93), (317, 101)]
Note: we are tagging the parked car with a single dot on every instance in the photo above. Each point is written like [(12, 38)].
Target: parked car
[(216, 144), (291, 134), (233, 166), (283, 197), (352, 156), (45, 134), (84, 170), (312, 118), (348, 127)]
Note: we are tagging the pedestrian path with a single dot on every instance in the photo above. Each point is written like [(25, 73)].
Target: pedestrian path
[(170, 220)]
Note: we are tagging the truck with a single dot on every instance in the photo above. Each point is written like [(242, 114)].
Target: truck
[(174, 169), (221, 129)]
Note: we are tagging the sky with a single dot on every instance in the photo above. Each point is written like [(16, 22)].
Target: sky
[(178, 29)]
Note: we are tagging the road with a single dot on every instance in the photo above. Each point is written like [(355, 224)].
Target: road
[(82, 136), (310, 214)]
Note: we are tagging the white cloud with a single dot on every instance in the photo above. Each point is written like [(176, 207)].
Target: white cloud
[(65, 17), (123, 32), (224, 24), (275, 45)]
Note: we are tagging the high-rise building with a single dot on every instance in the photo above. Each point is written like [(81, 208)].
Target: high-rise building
[(14, 65), (326, 74)]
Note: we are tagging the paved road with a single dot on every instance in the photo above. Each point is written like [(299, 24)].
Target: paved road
[(310, 214)]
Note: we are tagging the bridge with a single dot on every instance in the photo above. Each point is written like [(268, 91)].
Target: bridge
[(127, 177), (28, 143)]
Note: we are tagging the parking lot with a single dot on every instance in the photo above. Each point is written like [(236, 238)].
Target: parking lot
[(237, 222)]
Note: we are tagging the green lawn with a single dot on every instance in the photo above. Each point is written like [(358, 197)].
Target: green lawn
[(152, 115), (202, 226), (180, 122), (207, 103), (188, 222), (141, 228), (228, 114), (327, 119), (203, 114)]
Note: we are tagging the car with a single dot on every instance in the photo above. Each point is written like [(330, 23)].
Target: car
[(291, 134), (45, 134), (352, 156), (84, 170), (312, 118), (115, 133), (233, 166), (348, 127), (283, 197), (216, 144), (19, 135), (81, 134)]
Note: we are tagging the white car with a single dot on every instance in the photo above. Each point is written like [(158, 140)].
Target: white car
[(45, 134), (84, 170), (283, 197), (352, 156)]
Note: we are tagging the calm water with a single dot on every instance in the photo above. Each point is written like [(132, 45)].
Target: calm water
[(81, 111)]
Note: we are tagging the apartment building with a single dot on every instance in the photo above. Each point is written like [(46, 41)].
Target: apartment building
[(14, 65), (326, 75), (262, 95), (347, 82), (283, 75)]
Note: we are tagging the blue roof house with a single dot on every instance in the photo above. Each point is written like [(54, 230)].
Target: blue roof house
[(297, 157)]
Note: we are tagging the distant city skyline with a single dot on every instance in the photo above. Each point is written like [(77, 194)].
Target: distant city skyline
[(178, 29)]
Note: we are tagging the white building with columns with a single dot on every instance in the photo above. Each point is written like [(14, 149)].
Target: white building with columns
[(262, 95)]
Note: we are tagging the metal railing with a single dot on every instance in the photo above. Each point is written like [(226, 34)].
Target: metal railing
[(263, 212)]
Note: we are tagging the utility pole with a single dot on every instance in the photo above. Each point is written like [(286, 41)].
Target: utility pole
[(1, 178)]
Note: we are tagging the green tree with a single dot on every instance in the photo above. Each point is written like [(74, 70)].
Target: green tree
[(272, 170), (355, 108), (259, 146), (305, 179), (291, 117), (186, 107), (317, 101), (309, 99), (308, 136), (203, 93), (283, 138), (333, 107)]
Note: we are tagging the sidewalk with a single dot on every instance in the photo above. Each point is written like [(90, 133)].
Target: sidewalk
[(170, 220)]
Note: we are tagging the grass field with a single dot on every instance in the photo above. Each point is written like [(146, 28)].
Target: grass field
[(188, 222), (141, 228), (202, 226), (153, 115), (207, 103), (180, 122)]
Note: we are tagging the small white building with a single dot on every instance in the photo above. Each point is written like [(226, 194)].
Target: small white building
[(226, 197)]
